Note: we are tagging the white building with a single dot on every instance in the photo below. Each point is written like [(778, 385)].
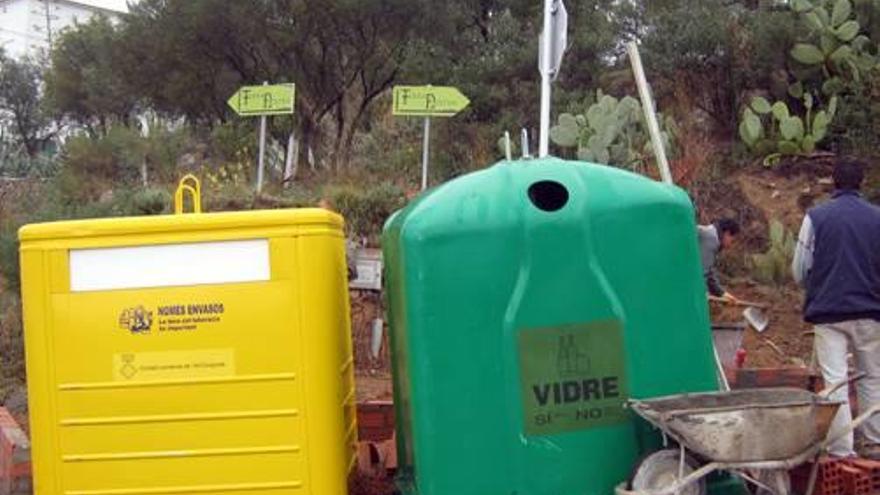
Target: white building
[(28, 26)]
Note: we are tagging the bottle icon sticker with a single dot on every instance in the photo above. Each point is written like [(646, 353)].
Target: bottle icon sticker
[(570, 360)]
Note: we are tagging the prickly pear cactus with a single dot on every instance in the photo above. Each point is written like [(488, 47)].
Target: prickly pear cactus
[(772, 266), (835, 46), (612, 131), (772, 130)]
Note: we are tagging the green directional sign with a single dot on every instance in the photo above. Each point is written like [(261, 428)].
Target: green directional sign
[(274, 99), (428, 101)]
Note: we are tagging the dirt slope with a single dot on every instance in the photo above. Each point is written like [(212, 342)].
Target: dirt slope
[(784, 194)]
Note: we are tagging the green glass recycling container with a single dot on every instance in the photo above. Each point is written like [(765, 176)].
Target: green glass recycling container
[(527, 302)]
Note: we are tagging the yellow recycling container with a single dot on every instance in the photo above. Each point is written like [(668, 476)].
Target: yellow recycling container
[(189, 354)]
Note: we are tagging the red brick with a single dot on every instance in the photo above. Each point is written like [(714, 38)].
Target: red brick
[(774, 377), (371, 419), (829, 478), (15, 464), (375, 420), (871, 467), (856, 481)]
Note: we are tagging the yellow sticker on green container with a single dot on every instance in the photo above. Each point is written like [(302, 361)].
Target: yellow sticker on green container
[(573, 377)]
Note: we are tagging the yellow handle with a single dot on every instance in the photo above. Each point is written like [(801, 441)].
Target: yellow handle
[(189, 183)]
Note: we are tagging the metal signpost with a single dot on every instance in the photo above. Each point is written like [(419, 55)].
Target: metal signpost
[(262, 101), (552, 45), (427, 102)]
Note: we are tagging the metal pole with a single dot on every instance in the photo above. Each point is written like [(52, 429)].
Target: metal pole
[(289, 170), (524, 136), (425, 152), (260, 162), (650, 115), (546, 63), (507, 145)]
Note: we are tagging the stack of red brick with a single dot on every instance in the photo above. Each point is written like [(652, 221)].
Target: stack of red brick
[(829, 478), (375, 420), (15, 456), (377, 450), (840, 477), (773, 377)]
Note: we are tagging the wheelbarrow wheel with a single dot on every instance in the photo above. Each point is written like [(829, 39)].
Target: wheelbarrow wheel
[(778, 480), (661, 470)]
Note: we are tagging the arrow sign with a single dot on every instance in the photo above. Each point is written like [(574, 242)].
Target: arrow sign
[(275, 99), (428, 101)]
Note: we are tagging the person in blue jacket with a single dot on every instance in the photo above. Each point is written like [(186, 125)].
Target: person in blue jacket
[(837, 261)]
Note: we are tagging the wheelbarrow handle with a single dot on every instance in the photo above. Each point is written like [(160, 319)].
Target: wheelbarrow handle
[(855, 423), (825, 393)]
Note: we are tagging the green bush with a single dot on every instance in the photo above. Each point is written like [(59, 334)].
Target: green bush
[(228, 196), (365, 210), (92, 167), (18, 164), (161, 150), (856, 130), (234, 141), (299, 196), (11, 343), (88, 164), (151, 201), (116, 156), (9, 268), (394, 149)]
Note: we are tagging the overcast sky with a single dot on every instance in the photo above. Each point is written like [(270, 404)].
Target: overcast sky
[(109, 4)]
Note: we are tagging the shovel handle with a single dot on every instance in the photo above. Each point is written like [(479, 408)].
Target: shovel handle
[(750, 304)]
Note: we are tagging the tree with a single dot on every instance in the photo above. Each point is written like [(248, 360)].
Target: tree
[(689, 48), (85, 83), (20, 98), (342, 54), (489, 48)]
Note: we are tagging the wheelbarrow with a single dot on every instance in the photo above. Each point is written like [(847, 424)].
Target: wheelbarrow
[(757, 434)]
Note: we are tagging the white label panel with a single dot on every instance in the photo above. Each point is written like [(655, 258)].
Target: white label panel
[(169, 265)]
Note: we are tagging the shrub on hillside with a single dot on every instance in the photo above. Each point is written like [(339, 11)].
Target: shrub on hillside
[(114, 156), (9, 257), (161, 151), (366, 209), (11, 343), (857, 128), (772, 267), (150, 201), (92, 166), (88, 164), (233, 141)]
